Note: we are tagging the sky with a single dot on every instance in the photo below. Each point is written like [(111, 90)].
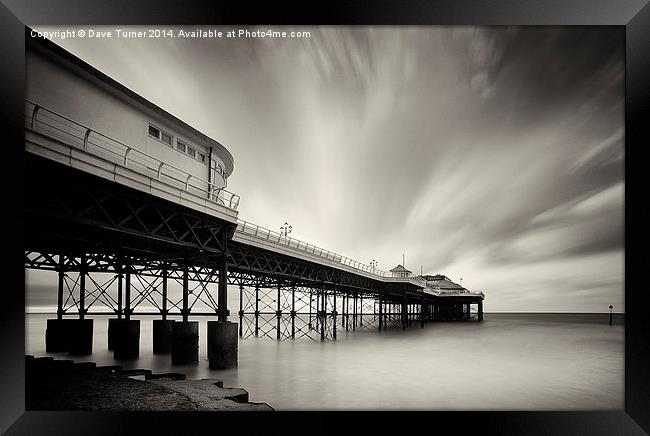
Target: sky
[(491, 154)]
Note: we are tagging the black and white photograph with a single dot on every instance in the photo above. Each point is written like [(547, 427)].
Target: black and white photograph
[(324, 218)]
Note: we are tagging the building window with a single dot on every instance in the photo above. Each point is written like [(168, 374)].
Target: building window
[(166, 138), (191, 151), (154, 132), (160, 135), (181, 146), (201, 157)]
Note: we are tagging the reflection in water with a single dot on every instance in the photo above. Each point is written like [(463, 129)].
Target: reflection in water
[(509, 362)]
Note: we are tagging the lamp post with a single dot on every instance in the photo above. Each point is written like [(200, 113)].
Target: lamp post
[(373, 264), (285, 229), (610, 314)]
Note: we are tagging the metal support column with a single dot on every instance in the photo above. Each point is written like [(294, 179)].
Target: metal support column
[(241, 310), (323, 312), (223, 285), (480, 310), (360, 309), (310, 304), (422, 313), (82, 287), (380, 313), (385, 314), (354, 311), (343, 310), (257, 309), (347, 312), (164, 293), (278, 312), (59, 300), (120, 290), (334, 313), (293, 311), (186, 291), (127, 293)]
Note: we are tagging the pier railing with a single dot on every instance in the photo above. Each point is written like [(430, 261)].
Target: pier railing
[(56, 126), (279, 239)]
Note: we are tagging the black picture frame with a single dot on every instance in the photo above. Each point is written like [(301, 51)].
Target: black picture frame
[(634, 15)]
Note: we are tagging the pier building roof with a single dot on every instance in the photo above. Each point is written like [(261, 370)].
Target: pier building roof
[(53, 51), (442, 282)]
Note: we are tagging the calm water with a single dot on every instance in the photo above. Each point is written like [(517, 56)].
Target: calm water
[(509, 362)]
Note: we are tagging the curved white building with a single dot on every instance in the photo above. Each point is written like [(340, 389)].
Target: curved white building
[(78, 105)]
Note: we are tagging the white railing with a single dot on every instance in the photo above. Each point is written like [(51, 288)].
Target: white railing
[(277, 238), (59, 127)]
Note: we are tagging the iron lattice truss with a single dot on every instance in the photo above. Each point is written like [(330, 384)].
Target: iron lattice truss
[(121, 249), (120, 285), (81, 211), (283, 312)]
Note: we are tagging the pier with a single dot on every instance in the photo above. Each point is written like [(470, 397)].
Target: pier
[(123, 201)]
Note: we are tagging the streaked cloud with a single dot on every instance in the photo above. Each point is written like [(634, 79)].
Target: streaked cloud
[(494, 154)]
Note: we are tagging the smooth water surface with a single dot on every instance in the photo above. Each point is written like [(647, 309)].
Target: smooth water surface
[(507, 362)]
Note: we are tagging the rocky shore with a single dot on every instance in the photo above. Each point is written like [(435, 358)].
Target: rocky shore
[(65, 385)]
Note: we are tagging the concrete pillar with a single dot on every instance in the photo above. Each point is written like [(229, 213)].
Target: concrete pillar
[(80, 336), (185, 342), (162, 336), (56, 335), (111, 333), (222, 344), (126, 343), (480, 310)]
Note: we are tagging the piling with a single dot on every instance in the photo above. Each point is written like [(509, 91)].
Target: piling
[(80, 336), (126, 339), (222, 344), (185, 342), (56, 335), (162, 336)]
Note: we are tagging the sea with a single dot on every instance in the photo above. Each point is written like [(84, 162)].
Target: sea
[(506, 362)]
